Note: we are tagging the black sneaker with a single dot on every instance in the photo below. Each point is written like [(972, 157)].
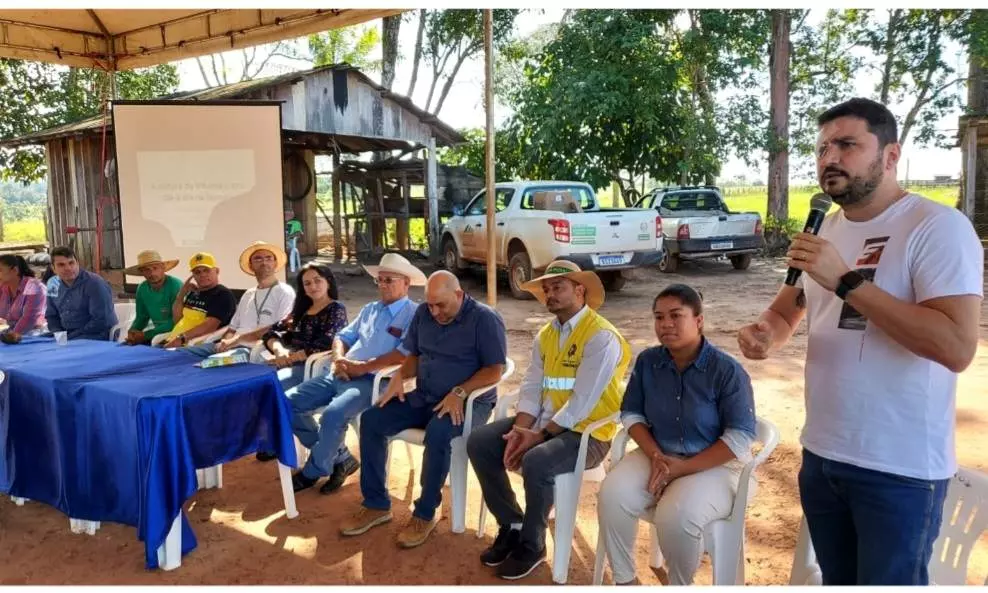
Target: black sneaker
[(520, 563), (300, 482), (265, 456), (341, 471), (506, 541)]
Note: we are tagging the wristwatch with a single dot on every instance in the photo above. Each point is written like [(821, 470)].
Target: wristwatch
[(848, 282), (546, 435), (459, 392)]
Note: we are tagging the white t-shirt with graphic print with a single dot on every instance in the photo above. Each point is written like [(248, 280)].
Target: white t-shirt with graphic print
[(869, 401)]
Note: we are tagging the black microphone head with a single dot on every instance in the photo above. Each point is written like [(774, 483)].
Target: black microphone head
[(821, 202)]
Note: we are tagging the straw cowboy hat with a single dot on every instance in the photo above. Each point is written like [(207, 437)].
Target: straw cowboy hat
[(396, 264), (146, 258), (567, 269), (279, 255)]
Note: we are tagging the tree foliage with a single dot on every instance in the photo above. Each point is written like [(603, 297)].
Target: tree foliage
[(621, 93), (350, 45), (450, 38), (35, 96)]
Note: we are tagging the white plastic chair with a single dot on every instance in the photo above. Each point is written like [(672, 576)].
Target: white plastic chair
[(805, 568), (459, 462), (567, 492), (723, 539), (965, 518), (126, 312)]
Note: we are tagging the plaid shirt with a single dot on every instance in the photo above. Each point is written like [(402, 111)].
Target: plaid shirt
[(24, 309)]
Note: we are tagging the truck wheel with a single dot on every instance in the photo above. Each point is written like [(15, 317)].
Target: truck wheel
[(451, 257), (612, 281), (741, 262), (669, 262), (519, 272)]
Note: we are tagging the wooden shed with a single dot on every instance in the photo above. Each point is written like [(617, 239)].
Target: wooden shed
[(333, 110)]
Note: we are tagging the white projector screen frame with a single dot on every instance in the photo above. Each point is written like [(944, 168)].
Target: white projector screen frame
[(199, 176)]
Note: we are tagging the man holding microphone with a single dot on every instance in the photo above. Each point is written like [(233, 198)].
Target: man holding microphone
[(891, 288)]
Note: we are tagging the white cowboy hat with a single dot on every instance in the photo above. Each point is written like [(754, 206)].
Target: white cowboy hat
[(396, 264), (567, 269), (279, 255), (146, 258)]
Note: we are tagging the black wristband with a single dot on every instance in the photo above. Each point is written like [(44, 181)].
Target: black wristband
[(546, 435)]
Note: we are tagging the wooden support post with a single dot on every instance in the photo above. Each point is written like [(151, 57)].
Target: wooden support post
[(432, 194), (401, 225), (491, 198), (337, 223)]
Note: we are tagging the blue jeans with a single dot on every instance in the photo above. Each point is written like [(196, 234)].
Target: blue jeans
[(344, 400), (291, 376), (870, 527), (377, 427), (207, 350)]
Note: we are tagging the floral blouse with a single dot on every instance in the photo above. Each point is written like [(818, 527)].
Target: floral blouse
[(312, 333)]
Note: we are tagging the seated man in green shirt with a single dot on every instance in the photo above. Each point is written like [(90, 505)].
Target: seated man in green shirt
[(155, 297)]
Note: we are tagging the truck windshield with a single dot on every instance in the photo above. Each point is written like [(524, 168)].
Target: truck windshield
[(692, 200), (563, 198)]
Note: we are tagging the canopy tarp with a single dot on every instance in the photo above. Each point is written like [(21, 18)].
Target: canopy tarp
[(123, 39)]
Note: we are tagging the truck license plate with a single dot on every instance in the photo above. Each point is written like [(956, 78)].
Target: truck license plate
[(723, 245), (611, 260)]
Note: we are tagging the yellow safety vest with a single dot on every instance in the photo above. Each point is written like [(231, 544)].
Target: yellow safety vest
[(559, 367)]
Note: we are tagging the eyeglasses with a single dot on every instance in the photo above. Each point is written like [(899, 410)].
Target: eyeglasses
[(386, 280)]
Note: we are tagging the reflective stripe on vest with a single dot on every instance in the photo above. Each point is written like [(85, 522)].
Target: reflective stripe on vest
[(559, 383)]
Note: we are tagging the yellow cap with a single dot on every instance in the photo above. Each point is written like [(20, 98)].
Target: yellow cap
[(202, 259)]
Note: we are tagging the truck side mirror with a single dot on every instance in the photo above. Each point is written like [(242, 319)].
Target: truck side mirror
[(457, 210)]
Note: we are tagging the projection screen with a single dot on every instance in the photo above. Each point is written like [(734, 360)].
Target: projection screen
[(199, 176)]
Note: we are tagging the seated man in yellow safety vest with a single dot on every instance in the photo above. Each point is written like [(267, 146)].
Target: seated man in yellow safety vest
[(574, 380)]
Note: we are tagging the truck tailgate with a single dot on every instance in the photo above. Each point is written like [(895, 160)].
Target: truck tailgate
[(725, 225), (612, 232)]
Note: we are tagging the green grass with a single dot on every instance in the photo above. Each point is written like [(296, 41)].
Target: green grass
[(756, 200), (24, 231)]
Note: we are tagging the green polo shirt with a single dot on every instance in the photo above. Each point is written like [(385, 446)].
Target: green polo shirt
[(156, 306)]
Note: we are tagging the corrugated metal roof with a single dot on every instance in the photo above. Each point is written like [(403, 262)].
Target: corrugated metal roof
[(444, 133)]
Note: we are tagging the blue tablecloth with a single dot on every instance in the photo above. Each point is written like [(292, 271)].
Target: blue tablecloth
[(106, 432)]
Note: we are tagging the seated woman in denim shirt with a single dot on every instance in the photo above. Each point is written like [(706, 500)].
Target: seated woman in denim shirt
[(690, 409), (316, 317)]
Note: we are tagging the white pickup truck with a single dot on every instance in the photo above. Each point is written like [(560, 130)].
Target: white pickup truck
[(541, 221), (697, 224)]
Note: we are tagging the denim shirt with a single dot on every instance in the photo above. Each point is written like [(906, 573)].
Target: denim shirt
[(84, 310), (378, 329), (688, 411)]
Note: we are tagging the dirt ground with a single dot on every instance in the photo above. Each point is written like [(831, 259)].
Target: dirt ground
[(244, 537)]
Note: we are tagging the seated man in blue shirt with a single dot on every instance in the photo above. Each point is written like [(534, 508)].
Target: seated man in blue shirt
[(369, 343), (689, 406), (80, 303), (454, 345)]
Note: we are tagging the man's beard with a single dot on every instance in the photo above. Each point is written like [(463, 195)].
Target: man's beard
[(859, 188)]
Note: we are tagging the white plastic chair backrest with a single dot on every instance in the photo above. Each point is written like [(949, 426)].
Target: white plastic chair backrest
[(965, 518), (126, 311)]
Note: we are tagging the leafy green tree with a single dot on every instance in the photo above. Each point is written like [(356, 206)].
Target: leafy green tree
[(35, 96)]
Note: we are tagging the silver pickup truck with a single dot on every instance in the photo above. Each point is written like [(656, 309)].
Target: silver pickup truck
[(696, 224)]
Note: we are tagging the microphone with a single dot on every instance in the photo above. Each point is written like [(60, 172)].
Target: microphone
[(819, 206)]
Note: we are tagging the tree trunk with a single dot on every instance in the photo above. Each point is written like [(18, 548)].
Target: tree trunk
[(778, 160), (977, 104), (894, 17), (449, 83), (418, 53), (389, 49)]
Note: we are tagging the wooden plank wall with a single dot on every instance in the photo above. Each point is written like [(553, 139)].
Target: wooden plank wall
[(74, 171)]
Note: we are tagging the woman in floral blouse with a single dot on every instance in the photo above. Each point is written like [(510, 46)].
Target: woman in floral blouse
[(315, 319), (22, 296)]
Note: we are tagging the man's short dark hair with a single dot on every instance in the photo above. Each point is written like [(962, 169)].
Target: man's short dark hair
[(880, 120), (63, 252)]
